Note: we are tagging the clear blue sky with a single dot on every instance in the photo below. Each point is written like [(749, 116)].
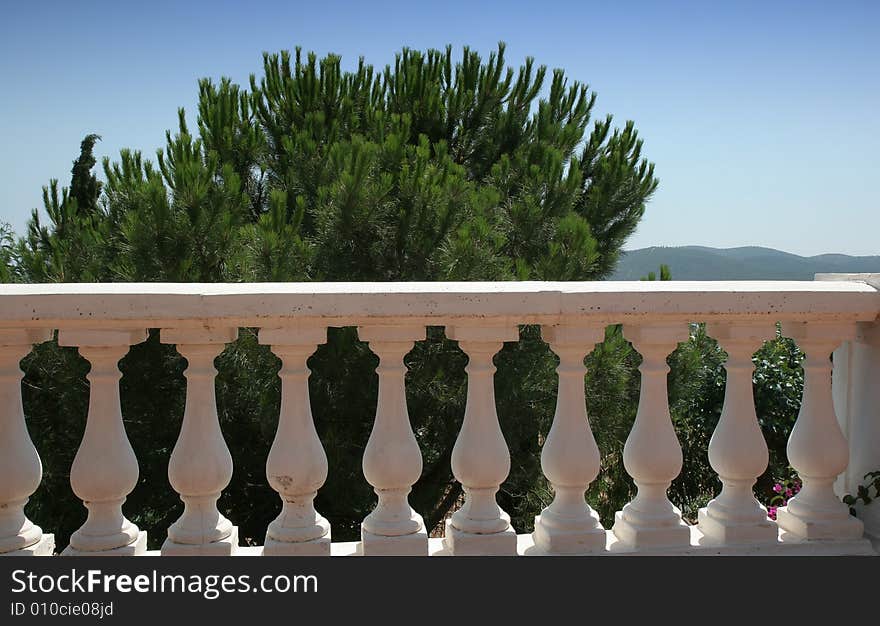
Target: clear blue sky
[(762, 117)]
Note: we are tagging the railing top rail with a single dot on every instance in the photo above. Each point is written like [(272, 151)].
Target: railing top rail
[(163, 305)]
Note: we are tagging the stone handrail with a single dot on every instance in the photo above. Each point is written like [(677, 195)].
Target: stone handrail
[(104, 320)]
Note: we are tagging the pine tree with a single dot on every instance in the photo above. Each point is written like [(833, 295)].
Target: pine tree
[(665, 274), (71, 249), (8, 271)]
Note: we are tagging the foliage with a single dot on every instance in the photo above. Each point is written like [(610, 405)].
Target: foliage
[(786, 488), (73, 248), (7, 253), (863, 492), (778, 386), (665, 274), (783, 491)]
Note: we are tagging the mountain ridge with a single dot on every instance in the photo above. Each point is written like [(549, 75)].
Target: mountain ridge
[(740, 263)]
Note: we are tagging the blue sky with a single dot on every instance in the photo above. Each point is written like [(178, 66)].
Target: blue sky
[(762, 117)]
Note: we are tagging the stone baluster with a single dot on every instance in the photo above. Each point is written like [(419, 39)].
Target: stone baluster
[(817, 448), (857, 404), (20, 466), (392, 459), (570, 456), (737, 450), (652, 454), (480, 458), (200, 466), (297, 465), (105, 469)]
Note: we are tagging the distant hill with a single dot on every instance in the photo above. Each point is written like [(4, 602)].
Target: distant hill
[(747, 263)]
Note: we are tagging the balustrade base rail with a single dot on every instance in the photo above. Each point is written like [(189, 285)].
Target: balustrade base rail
[(525, 546)]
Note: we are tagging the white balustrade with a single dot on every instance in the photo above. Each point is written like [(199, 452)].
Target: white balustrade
[(104, 320), (480, 458), (817, 448), (652, 454), (737, 450), (570, 456), (105, 469), (297, 465), (20, 466), (392, 460), (201, 465)]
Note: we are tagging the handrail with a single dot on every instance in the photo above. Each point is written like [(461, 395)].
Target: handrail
[(351, 304)]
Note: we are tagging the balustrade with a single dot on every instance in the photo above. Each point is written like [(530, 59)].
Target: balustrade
[(570, 457), (652, 454), (737, 450), (20, 466), (392, 459), (105, 469), (480, 458), (200, 465), (297, 465), (103, 321), (817, 448)]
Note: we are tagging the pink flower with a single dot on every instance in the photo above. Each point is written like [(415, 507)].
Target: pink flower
[(788, 493), (771, 512), (777, 488)]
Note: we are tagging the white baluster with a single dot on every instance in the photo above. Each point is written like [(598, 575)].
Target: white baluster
[(105, 469), (652, 454), (737, 450), (480, 458), (817, 448), (20, 466), (570, 456), (200, 466), (857, 404), (392, 459), (297, 465)]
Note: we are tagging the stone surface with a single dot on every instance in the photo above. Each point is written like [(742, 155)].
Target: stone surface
[(857, 406), (200, 466), (562, 541), (200, 305), (652, 454), (105, 468), (737, 450), (392, 527), (20, 467), (525, 546), (724, 533), (460, 543), (813, 523), (44, 547), (415, 544), (570, 458), (224, 547), (480, 457), (810, 528), (817, 448), (667, 534), (297, 465), (315, 547), (137, 548)]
